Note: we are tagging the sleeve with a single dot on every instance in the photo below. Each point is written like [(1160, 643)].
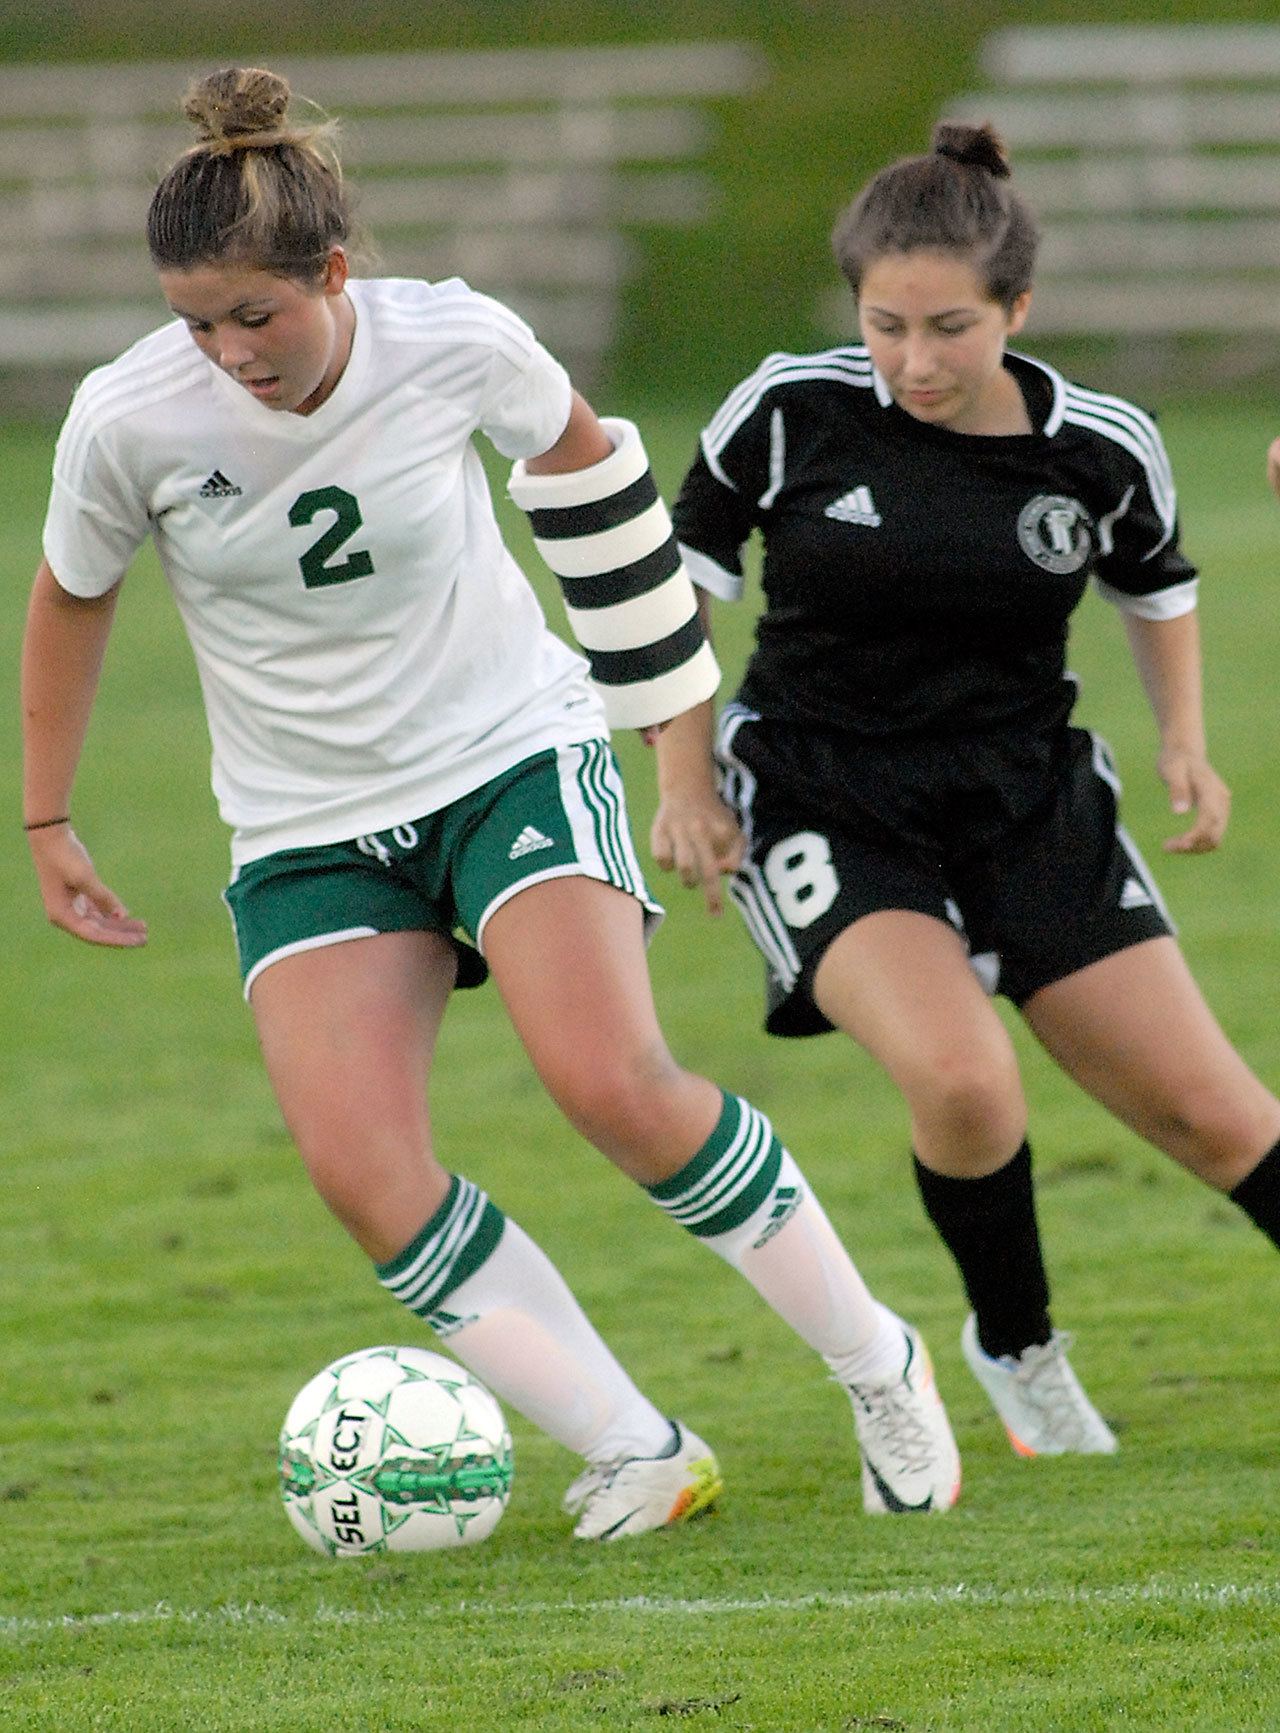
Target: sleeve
[(725, 490), (96, 519), (525, 404), (1140, 567)]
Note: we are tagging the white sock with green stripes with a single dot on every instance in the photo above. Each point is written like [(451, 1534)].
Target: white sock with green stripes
[(486, 1289), (744, 1196)]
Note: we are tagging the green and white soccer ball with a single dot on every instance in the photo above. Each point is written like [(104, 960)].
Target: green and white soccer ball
[(394, 1450)]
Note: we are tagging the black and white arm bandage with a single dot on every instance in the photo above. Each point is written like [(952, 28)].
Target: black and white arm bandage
[(606, 534)]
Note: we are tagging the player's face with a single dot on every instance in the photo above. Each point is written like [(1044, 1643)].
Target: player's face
[(937, 339), (286, 342)]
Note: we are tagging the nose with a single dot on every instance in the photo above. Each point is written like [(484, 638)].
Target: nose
[(234, 348), (917, 355)]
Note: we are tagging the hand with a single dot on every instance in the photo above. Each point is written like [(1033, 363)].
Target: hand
[(699, 838), (1273, 465), (1195, 786), (75, 898)]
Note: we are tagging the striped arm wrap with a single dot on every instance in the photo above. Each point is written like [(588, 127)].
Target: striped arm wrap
[(729, 1178), (453, 1245), (606, 534)]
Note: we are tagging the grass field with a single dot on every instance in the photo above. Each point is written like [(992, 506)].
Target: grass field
[(168, 1281)]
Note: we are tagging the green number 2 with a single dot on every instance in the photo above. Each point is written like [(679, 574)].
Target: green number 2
[(316, 569)]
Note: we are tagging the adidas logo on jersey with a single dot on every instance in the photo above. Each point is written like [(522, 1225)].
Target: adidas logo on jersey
[(1135, 895), (218, 487), (528, 842), (855, 507)]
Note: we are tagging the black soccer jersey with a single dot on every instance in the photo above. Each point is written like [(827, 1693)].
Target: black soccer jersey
[(920, 581)]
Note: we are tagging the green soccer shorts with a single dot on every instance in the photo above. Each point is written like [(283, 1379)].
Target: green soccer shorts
[(560, 814)]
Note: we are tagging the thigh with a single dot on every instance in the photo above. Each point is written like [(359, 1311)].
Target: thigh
[(1134, 1031), (348, 1032), (567, 955), (901, 985)]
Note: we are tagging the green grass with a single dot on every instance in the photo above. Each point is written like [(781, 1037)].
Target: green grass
[(168, 1281)]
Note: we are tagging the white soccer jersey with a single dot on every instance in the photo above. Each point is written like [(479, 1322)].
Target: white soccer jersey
[(367, 648)]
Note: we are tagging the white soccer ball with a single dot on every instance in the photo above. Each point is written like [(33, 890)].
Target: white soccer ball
[(394, 1450)]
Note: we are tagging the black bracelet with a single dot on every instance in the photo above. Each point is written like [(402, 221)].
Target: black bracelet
[(48, 823)]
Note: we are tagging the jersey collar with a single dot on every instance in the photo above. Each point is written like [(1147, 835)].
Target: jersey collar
[(1038, 374)]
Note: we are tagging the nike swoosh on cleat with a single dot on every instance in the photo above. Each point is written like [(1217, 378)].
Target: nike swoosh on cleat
[(620, 1525), (890, 1497)]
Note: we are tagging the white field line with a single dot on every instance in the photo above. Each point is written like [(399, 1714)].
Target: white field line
[(1209, 1595)]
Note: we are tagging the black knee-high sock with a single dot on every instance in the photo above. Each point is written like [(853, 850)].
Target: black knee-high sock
[(989, 1227), (1258, 1194)]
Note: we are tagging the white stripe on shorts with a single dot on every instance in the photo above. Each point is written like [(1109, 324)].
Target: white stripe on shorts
[(595, 804), (747, 888)]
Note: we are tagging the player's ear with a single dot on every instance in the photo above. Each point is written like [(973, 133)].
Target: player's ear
[(336, 271), (1018, 312)]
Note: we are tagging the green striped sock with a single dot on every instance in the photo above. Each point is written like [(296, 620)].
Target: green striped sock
[(460, 1236), (737, 1195), (737, 1170)]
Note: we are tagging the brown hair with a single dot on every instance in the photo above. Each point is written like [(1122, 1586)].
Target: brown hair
[(957, 198), (256, 187)]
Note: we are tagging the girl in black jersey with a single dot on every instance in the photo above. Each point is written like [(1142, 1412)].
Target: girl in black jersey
[(909, 818)]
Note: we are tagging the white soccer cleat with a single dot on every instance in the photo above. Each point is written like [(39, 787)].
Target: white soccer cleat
[(615, 1499), (909, 1457), (1039, 1398)]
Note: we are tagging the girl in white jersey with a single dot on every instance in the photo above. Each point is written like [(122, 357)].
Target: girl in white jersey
[(921, 821), (403, 750)]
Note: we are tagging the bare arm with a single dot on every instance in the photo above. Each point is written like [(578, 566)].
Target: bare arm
[(1273, 465), (582, 443), (1166, 654), (62, 653)]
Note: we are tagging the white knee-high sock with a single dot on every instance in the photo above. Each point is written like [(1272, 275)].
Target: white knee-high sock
[(743, 1195), (483, 1286)]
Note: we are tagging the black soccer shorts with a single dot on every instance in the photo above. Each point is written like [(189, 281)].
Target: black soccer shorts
[(1018, 847)]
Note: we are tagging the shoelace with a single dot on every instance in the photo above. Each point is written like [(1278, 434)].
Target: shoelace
[(592, 1480), (1048, 1383), (897, 1423)]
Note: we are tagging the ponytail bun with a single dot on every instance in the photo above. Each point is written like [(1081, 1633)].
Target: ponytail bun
[(978, 147), (239, 108)]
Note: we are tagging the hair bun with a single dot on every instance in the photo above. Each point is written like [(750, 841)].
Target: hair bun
[(973, 146), (229, 108)]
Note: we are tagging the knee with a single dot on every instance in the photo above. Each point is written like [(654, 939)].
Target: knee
[(623, 1102), (969, 1097), (1216, 1134)]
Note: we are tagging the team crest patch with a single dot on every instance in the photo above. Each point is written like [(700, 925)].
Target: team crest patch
[(1056, 532)]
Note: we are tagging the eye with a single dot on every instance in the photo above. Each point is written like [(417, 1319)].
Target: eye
[(254, 321), (950, 330)]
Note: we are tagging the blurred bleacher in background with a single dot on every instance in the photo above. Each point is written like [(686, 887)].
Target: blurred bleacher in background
[(525, 171), (1151, 154), (659, 208)]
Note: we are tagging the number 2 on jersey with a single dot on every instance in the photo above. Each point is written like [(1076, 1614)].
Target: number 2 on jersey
[(315, 563)]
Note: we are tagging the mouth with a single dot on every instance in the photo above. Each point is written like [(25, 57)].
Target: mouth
[(265, 387)]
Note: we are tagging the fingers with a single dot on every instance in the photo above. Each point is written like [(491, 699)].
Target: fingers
[(700, 850), (96, 915), (1205, 794)]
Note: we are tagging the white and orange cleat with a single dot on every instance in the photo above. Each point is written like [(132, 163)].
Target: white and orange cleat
[(1039, 1398)]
